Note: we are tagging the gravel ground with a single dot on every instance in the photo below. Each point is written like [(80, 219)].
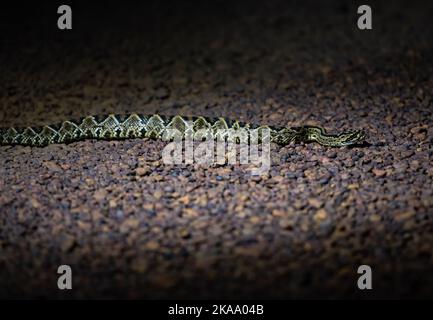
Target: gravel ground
[(133, 227)]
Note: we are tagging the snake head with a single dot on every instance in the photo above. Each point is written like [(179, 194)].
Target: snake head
[(352, 137), (319, 135)]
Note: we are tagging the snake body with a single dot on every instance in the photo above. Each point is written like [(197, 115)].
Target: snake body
[(156, 126)]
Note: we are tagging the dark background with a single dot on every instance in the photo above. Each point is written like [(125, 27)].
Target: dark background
[(131, 227)]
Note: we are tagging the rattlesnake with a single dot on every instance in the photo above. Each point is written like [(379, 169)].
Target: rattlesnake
[(156, 126)]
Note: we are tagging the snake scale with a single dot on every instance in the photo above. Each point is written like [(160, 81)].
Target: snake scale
[(155, 126)]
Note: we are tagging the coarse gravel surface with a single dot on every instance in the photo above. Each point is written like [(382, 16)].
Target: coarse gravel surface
[(131, 226)]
